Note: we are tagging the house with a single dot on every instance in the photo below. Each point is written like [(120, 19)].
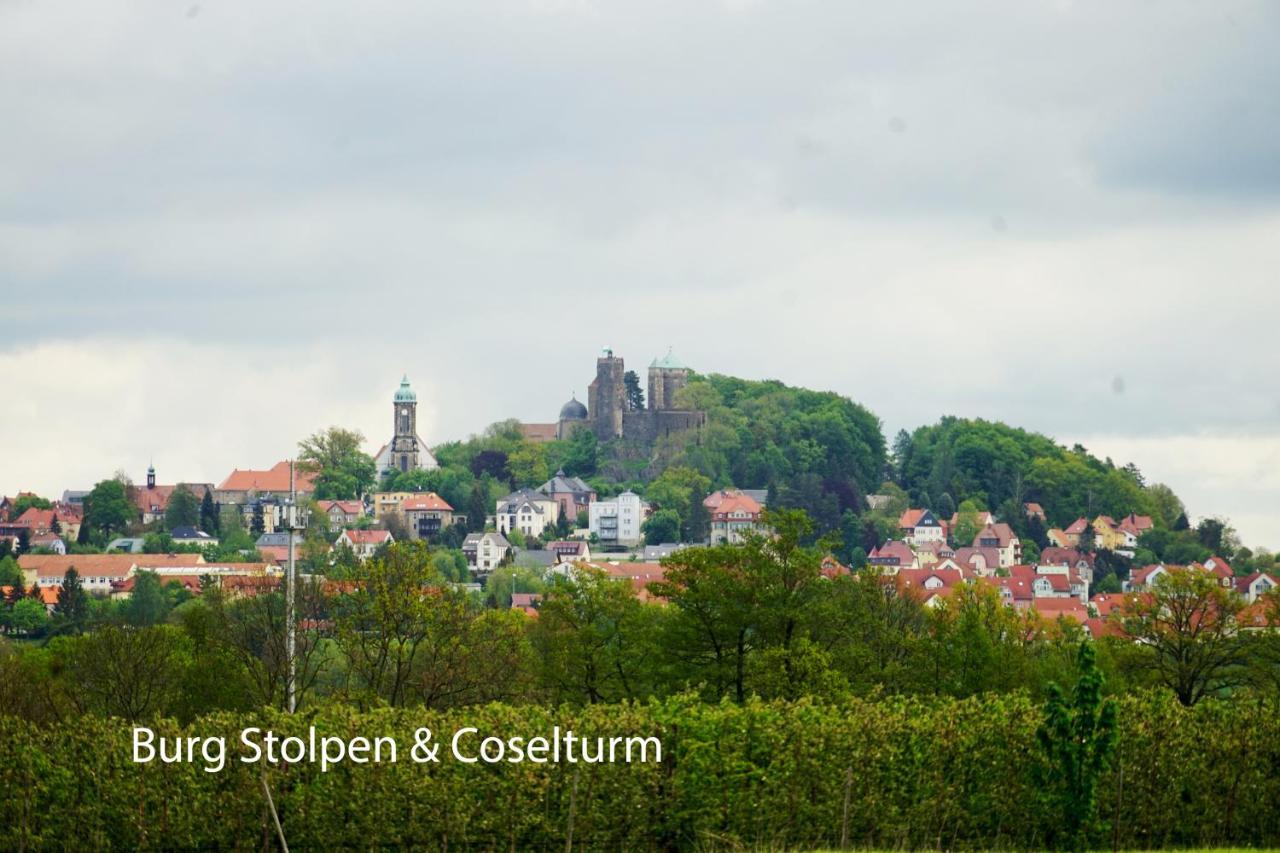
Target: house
[(363, 542), (1255, 586), (572, 494), (920, 526), (1073, 533), (1034, 510), (983, 561), (617, 521), (187, 535), (1001, 537), (388, 503), (526, 601), (1062, 608), (569, 550), (152, 499), (1081, 562), (528, 511), (931, 585), (1136, 525), (894, 555), (1108, 535), (734, 514), (49, 541), (98, 571), (240, 487), (484, 551), (342, 513), (426, 515), (1058, 538)]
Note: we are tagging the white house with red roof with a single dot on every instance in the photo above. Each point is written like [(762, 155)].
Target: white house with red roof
[(364, 542), (1255, 586), (920, 526), (734, 514), (1001, 537)]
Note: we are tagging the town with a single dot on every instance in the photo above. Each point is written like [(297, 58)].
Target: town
[(505, 526)]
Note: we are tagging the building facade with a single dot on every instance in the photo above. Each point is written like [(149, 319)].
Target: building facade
[(618, 521)]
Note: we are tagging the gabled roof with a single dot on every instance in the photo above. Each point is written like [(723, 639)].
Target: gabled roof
[(1077, 527), (103, 565), (998, 531), (1136, 524), (274, 479), (561, 484), (365, 537), (348, 507), (734, 504), (894, 553), (512, 502)]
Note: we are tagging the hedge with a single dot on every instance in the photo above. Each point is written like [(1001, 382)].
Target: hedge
[(884, 773)]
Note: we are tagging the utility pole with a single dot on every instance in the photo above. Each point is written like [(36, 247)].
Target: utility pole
[(291, 578)]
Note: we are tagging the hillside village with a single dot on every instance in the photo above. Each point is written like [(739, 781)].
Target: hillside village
[(513, 534)]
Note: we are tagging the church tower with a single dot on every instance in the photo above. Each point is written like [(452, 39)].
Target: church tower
[(404, 445)]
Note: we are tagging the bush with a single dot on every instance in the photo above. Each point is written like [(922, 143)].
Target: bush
[(900, 773)]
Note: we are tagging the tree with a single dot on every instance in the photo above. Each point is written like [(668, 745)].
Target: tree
[(72, 610), (682, 490), (342, 471), (528, 464), (967, 527), (183, 509), (1076, 739), (258, 523), (148, 605), (28, 616), (1187, 624), (384, 622), (662, 526), (592, 637), (23, 544), (22, 503), (634, 393), (108, 508), (582, 455), (210, 515), (129, 673)]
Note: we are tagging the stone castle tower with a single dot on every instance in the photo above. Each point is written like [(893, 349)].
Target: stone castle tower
[(607, 413), (607, 396)]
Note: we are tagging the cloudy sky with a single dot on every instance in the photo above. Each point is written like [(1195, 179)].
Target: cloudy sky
[(224, 225)]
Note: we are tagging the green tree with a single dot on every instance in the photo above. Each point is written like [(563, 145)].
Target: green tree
[(28, 616), (582, 454), (662, 526), (23, 545), (1186, 625), (594, 639), (634, 393), (22, 503), (108, 509), (182, 510), (528, 465), (342, 471), (148, 604), (210, 516), (682, 490), (72, 610), (1076, 739)]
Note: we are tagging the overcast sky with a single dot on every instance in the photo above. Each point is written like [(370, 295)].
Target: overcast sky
[(225, 225)]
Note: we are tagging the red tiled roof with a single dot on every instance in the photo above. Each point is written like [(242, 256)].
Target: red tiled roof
[(348, 507), (104, 565), (363, 537), (735, 503), (1061, 607), (274, 479), (1077, 527), (910, 517), (1105, 602)]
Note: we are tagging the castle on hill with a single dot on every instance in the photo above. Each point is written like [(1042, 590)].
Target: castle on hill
[(610, 413)]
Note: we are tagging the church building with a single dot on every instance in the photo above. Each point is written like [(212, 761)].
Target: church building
[(406, 451)]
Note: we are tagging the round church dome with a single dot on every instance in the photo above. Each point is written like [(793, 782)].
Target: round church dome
[(573, 411), (405, 393)]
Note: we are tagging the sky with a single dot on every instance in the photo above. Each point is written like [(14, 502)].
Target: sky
[(224, 226)]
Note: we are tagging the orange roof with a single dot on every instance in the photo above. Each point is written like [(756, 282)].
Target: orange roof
[(429, 501), (36, 518), (275, 479), (104, 565), (910, 517), (735, 503), (349, 507), (364, 537)]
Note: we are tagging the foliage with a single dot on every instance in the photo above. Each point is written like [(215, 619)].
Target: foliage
[(994, 463), (1077, 739), (341, 469), (108, 509), (182, 510), (893, 773)]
